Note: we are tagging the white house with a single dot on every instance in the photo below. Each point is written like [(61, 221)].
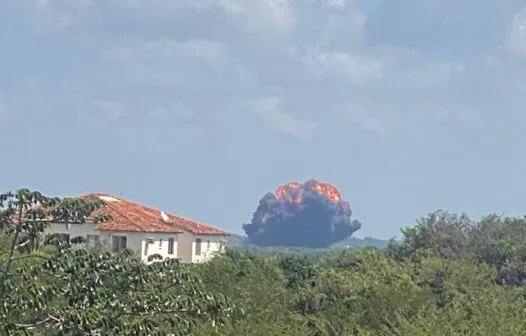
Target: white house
[(147, 231)]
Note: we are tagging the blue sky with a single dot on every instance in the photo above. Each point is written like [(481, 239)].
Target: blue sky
[(200, 107)]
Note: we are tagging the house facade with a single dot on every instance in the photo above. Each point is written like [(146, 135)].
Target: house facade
[(146, 231)]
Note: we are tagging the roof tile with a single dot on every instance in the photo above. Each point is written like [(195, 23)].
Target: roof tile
[(134, 217), (196, 227)]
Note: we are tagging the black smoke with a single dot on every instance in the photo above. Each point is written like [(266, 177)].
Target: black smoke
[(317, 223)]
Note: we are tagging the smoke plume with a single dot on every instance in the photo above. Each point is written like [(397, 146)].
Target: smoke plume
[(311, 214)]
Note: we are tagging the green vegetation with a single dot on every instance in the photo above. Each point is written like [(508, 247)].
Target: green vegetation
[(240, 242), (448, 275)]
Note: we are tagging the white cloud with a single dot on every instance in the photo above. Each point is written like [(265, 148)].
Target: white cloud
[(255, 16), (330, 56), (165, 51), (412, 69), (516, 41), (337, 4), (358, 69), (56, 15), (258, 16), (269, 109), (357, 115), (163, 7), (168, 62)]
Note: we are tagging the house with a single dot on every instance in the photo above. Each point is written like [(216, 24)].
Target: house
[(147, 231)]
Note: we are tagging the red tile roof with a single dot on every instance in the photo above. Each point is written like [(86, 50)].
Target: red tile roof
[(196, 227), (134, 217)]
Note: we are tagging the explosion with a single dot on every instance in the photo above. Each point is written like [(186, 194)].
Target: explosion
[(311, 214)]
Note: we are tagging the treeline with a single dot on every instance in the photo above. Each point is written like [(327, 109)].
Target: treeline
[(242, 243), (448, 275)]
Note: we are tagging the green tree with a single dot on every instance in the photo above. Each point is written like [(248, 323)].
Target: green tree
[(73, 291), (446, 234)]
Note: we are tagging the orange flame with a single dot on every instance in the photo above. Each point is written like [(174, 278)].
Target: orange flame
[(325, 189), (283, 190)]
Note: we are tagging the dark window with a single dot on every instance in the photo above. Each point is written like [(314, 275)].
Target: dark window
[(171, 243), (92, 240), (198, 246), (119, 243)]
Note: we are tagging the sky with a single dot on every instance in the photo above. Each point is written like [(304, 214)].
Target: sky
[(200, 107)]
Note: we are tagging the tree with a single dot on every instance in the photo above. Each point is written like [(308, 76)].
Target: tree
[(73, 291), (445, 233), (501, 243)]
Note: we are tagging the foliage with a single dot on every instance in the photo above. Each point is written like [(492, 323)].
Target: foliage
[(449, 275), (242, 242), (60, 290)]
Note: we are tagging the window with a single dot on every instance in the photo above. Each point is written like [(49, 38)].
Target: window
[(160, 244), (198, 246), (171, 243), (118, 243), (147, 243), (208, 245), (92, 240)]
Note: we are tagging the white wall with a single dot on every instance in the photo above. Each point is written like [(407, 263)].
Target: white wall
[(211, 245), (185, 246), (157, 243), (73, 230), (143, 244)]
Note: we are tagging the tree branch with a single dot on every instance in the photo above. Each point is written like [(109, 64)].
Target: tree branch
[(35, 325), (29, 257), (12, 249), (27, 242)]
